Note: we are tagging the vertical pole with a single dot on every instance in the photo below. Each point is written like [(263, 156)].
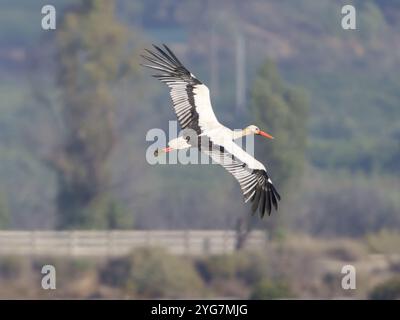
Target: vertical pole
[(213, 49), (240, 72), (214, 62), (186, 242)]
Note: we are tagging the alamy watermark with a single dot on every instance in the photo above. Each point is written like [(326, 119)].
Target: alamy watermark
[(349, 278), (49, 278), (49, 18), (349, 19), (184, 146)]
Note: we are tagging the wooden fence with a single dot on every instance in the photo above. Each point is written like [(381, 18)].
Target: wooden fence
[(116, 243)]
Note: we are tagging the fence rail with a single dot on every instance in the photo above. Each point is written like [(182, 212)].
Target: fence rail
[(116, 243)]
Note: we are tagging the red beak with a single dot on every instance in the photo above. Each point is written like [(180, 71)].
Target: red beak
[(264, 134), (163, 150), (167, 149)]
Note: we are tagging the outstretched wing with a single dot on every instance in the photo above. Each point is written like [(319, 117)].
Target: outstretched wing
[(190, 97), (256, 186)]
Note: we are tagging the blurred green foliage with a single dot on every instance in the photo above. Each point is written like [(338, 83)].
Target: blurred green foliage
[(348, 80), (90, 48), (10, 267), (4, 213), (248, 267), (16, 19), (296, 268), (152, 273), (267, 290), (384, 242), (340, 204), (282, 111), (388, 290)]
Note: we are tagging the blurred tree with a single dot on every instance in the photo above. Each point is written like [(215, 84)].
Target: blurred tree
[(268, 290), (4, 212), (91, 58), (387, 290), (282, 111), (350, 211), (153, 273)]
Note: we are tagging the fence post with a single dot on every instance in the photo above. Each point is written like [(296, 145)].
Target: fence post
[(148, 238), (72, 243), (186, 239), (33, 244), (224, 236), (109, 249), (206, 245)]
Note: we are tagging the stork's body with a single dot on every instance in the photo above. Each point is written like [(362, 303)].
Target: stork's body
[(192, 105)]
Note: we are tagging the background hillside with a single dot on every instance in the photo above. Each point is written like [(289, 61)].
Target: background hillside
[(349, 80)]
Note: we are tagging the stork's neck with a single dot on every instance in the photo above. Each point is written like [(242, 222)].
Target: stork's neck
[(237, 134)]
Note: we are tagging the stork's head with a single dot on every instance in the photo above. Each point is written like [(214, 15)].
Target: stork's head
[(252, 129)]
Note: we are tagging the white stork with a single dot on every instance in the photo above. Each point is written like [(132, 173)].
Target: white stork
[(192, 105)]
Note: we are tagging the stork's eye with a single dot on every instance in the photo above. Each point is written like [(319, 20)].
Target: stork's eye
[(187, 138)]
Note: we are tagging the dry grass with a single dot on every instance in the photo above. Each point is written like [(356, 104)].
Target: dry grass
[(384, 242), (312, 268)]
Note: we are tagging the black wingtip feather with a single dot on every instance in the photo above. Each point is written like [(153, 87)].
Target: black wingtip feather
[(269, 207), (166, 56), (172, 54), (165, 61), (266, 195), (273, 198), (161, 59), (262, 203), (275, 192), (256, 200)]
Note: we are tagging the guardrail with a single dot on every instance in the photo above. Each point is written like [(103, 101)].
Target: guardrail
[(117, 243)]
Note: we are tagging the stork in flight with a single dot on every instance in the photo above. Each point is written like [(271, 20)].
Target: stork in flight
[(192, 106)]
